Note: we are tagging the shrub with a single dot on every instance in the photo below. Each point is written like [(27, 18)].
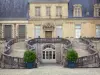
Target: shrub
[(72, 55), (29, 56)]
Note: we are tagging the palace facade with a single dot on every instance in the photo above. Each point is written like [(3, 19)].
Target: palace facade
[(49, 18)]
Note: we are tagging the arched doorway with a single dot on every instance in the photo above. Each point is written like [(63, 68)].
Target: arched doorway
[(49, 54)]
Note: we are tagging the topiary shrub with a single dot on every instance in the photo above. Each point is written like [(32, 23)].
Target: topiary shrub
[(29, 56), (71, 55)]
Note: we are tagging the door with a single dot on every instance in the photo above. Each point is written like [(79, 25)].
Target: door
[(7, 31), (22, 31), (48, 34), (48, 56)]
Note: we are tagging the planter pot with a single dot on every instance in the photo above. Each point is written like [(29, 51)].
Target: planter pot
[(31, 65), (71, 64)]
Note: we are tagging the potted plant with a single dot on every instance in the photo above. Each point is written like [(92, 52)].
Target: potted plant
[(71, 58), (29, 59)]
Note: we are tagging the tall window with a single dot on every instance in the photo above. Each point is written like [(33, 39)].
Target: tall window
[(77, 10), (58, 11), (37, 11), (77, 30), (0, 30), (59, 31), (97, 30), (97, 12), (37, 31), (48, 11)]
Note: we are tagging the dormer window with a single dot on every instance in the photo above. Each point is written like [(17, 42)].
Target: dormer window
[(97, 10), (77, 10)]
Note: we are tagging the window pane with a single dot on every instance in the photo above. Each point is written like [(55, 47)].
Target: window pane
[(37, 11), (58, 11), (98, 31), (43, 54), (53, 54), (37, 31), (47, 11), (59, 31)]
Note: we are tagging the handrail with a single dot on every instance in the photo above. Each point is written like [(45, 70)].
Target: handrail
[(93, 58), (31, 42), (10, 61)]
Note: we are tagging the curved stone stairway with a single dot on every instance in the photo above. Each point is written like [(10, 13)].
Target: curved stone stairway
[(18, 49), (80, 47)]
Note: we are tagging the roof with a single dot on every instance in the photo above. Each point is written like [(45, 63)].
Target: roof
[(19, 8), (87, 6), (13, 8), (48, 1)]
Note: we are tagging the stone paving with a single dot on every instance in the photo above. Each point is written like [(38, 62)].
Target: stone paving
[(51, 70)]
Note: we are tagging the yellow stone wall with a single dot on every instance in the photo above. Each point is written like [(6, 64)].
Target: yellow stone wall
[(43, 9), (88, 27)]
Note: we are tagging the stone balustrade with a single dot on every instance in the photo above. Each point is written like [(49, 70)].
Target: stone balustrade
[(91, 60)]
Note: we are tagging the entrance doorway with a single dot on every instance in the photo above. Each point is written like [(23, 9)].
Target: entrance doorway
[(48, 34), (48, 56)]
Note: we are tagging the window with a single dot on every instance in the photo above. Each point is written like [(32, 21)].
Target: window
[(48, 11), (37, 11), (97, 30), (77, 30), (22, 31), (0, 30), (77, 10), (58, 11), (97, 12), (37, 31), (59, 31)]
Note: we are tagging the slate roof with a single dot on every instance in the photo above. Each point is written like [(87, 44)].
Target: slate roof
[(87, 6), (12, 9), (47, 1)]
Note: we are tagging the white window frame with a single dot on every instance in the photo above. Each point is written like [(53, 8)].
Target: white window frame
[(58, 11), (48, 11), (37, 29), (37, 11), (77, 10), (98, 30), (59, 31), (97, 10), (77, 28)]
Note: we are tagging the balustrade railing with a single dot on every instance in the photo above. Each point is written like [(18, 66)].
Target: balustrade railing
[(92, 60), (31, 42), (8, 61), (17, 62)]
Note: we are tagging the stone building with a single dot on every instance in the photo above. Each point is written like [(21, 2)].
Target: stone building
[(49, 19)]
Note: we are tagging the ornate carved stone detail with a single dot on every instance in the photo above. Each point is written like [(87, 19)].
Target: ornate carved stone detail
[(48, 27)]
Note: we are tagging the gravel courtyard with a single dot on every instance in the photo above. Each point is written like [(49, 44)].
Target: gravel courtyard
[(51, 70)]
